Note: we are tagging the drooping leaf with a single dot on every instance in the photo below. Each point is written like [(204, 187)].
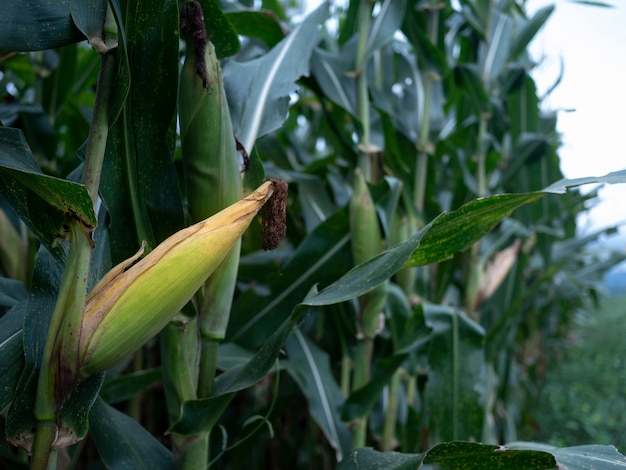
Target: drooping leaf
[(35, 26), (43, 202), (456, 231), (123, 444), (561, 186), (597, 457), (258, 90), (309, 366), (475, 456), (366, 276)]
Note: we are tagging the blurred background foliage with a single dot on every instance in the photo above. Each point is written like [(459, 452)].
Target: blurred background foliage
[(435, 105)]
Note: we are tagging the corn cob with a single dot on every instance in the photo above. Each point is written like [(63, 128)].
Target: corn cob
[(367, 242), (211, 162), (133, 303)]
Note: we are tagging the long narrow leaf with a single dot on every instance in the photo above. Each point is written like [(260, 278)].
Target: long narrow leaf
[(258, 90), (310, 368), (123, 444)]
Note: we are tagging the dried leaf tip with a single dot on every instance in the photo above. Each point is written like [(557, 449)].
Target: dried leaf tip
[(274, 216)]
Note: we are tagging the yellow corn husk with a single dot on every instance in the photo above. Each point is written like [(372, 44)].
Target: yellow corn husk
[(129, 306)]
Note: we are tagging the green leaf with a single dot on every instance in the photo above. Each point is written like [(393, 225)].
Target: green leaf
[(258, 90), (458, 230), (219, 29), (475, 456), (33, 194), (11, 352), (456, 359), (11, 292), (452, 456), (201, 415), (498, 48), (89, 16), (123, 444), (332, 73), (310, 367), (386, 24), (563, 185), (361, 401), (319, 259), (467, 77), (590, 456), (597, 457), (593, 3), (34, 25), (529, 31), (366, 276), (139, 182), (127, 386), (370, 459), (261, 25)]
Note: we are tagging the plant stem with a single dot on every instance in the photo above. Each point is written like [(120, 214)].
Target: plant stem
[(44, 437), (179, 353), (365, 163), (362, 367), (58, 375), (391, 416), (99, 129)]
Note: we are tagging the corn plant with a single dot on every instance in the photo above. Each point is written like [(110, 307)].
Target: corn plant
[(406, 288)]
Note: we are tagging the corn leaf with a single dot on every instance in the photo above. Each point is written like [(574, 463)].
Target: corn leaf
[(123, 444), (309, 366), (43, 202), (36, 25), (139, 182), (258, 90), (11, 352)]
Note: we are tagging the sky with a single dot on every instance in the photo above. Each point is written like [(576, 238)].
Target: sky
[(591, 98)]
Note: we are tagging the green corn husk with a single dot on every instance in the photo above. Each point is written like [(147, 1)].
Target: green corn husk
[(131, 304), (211, 163), (367, 242)]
